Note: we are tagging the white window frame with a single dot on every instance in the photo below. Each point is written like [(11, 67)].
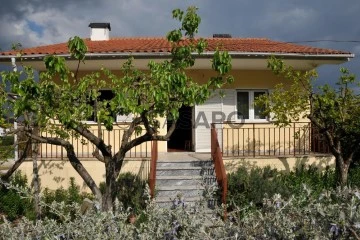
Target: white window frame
[(124, 118), (251, 105)]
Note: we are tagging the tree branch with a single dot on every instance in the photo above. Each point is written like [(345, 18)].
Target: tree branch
[(97, 155), (148, 128), (333, 144), (127, 134), (148, 137), (97, 141), (76, 164), (17, 163)]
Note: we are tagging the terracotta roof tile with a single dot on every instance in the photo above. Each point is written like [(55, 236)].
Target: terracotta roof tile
[(160, 45)]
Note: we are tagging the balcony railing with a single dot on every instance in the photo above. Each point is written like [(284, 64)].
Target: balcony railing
[(85, 149), (263, 139)]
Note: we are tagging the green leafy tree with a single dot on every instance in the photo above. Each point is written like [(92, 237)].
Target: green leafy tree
[(335, 112), (158, 92)]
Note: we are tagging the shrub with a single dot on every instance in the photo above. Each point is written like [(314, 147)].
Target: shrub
[(68, 196), (6, 147), (354, 177), (12, 204), (245, 186), (333, 214), (131, 191)]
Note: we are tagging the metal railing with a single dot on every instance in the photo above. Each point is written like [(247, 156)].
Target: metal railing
[(153, 162), (263, 139), (220, 172), (85, 149)]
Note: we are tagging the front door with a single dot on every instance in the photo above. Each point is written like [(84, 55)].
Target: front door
[(181, 139)]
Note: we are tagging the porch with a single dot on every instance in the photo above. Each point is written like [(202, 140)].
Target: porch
[(246, 140), (252, 140), (239, 144)]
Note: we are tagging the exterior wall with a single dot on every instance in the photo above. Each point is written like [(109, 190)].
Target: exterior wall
[(244, 79), (56, 173), (237, 136), (280, 163)]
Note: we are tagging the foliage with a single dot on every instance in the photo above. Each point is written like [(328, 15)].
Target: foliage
[(15, 202), (12, 204), (254, 185), (333, 214), (62, 96), (334, 112), (6, 147), (68, 196), (131, 191)]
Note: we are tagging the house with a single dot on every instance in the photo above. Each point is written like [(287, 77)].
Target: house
[(243, 132)]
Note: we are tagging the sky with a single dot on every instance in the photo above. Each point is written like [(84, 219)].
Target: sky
[(336, 23)]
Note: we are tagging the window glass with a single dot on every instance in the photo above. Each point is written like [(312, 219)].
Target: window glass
[(105, 95), (258, 110), (243, 105)]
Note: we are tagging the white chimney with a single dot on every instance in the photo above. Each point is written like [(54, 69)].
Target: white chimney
[(100, 31)]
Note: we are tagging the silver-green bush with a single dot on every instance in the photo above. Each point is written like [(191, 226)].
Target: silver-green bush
[(333, 215)]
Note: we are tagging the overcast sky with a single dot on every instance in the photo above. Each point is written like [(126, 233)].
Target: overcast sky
[(39, 22)]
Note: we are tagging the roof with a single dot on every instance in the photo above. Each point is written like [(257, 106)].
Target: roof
[(156, 45)]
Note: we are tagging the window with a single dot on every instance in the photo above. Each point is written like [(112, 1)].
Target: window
[(246, 109), (106, 95)]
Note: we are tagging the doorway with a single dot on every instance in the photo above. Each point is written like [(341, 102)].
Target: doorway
[(181, 139)]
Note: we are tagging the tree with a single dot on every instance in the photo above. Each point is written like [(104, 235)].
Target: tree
[(158, 92), (335, 112)]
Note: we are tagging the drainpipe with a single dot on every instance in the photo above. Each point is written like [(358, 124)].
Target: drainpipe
[(13, 63), (16, 154)]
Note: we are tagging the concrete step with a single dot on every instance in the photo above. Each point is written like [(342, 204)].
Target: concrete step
[(178, 180), (184, 180), (178, 171), (184, 163), (175, 191), (184, 171)]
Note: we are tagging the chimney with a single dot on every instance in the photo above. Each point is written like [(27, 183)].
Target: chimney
[(221, 35), (100, 31)]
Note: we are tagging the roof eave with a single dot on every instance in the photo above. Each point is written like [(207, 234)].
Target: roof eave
[(151, 55)]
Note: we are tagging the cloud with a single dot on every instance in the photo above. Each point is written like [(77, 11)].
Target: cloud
[(284, 20), (356, 50), (291, 20)]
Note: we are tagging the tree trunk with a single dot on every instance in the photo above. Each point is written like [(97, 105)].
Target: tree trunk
[(36, 184), (111, 186), (79, 168), (342, 170)]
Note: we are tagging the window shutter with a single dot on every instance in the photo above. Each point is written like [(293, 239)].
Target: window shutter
[(229, 105), (203, 119)]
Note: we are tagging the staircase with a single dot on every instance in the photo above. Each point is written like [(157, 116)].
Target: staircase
[(180, 176)]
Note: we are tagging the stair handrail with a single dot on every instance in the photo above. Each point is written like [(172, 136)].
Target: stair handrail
[(216, 156), (153, 161)]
